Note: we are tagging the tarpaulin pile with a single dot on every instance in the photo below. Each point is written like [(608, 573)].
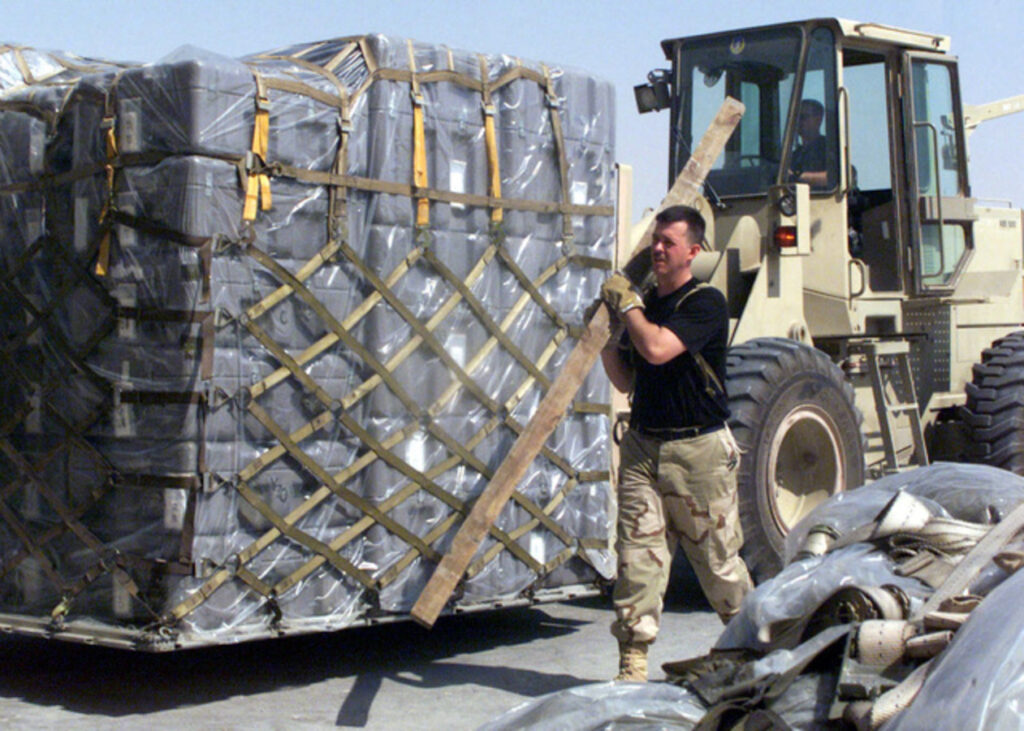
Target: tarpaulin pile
[(898, 608)]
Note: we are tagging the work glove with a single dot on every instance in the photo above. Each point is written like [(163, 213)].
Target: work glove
[(620, 294)]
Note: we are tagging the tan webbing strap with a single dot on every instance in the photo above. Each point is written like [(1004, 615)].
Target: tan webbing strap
[(349, 496), (960, 578), (25, 537), (23, 67), (197, 597), (304, 539), (343, 54), (532, 288), (485, 318), (305, 272), (329, 320), (338, 212), (420, 329), (67, 516), (254, 582), (328, 340), (522, 530), (491, 140), (51, 534), (373, 185), (555, 105), (710, 377), (257, 188), (419, 144), (299, 88)]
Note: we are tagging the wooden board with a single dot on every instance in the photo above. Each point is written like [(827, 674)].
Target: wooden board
[(685, 190)]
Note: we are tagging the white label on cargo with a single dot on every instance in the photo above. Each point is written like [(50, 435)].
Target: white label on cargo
[(127, 236), (33, 223), (174, 509), (31, 508), (457, 179), (128, 123), (578, 195), (124, 420), (121, 601), (36, 150), (30, 576), (127, 294), (537, 548), (455, 344), (81, 224), (416, 454)]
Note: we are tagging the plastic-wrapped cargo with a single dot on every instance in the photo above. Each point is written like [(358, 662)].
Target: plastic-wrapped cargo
[(272, 323)]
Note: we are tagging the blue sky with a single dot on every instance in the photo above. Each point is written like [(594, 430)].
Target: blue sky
[(616, 40)]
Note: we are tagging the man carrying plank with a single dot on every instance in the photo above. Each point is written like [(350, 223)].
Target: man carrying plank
[(677, 479), (686, 189)]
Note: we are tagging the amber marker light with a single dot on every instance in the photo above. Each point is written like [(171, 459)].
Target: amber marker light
[(785, 237)]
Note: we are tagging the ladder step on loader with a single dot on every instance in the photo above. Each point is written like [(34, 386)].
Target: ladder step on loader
[(899, 351)]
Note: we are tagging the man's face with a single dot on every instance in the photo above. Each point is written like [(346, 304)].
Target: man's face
[(809, 123), (671, 250)]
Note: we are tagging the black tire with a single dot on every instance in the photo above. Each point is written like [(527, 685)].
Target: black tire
[(794, 417), (994, 412)]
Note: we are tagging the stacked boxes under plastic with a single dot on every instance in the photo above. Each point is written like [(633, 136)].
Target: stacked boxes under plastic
[(181, 125)]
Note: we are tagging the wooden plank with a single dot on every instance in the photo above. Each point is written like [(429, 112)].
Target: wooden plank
[(685, 190)]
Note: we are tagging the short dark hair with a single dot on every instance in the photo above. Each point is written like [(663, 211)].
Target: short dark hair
[(814, 106), (688, 215)]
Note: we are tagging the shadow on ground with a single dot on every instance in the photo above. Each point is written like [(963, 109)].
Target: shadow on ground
[(93, 680)]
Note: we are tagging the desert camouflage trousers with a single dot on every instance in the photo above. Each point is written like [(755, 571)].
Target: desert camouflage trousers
[(670, 493)]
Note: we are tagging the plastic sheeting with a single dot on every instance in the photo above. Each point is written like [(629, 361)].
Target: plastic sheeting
[(962, 491), (220, 423), (974, 684), (605, 706), (977, 682)]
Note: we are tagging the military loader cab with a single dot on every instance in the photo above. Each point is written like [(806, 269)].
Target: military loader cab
[(873, 300)]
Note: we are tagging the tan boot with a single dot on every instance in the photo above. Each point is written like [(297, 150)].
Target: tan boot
[(632, 662)]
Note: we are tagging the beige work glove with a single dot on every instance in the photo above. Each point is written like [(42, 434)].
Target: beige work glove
[(620, 294)]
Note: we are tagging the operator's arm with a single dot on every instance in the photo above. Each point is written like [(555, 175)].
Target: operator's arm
[(814, 178), (655, 343), (619, 372)]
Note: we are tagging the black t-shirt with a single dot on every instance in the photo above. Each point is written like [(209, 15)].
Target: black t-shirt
[(810, 157), (675, 394)]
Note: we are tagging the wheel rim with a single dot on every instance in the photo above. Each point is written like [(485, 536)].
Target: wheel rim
[(805, 465)]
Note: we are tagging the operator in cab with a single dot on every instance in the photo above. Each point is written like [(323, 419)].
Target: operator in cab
[(809, 162)]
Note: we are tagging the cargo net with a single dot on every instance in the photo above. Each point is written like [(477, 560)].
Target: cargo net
[(272, 324)]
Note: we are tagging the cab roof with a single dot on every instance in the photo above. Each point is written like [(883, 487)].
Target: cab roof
[(851, 29)]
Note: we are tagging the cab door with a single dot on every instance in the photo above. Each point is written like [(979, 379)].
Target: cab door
[(941, 212)]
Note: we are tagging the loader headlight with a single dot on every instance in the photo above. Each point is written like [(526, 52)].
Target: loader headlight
[(655, 94)]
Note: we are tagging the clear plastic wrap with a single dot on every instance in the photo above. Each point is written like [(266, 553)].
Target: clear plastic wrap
[(272, 343), (605, 706)]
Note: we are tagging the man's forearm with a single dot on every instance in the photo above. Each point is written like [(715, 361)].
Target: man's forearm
[(620, 374), (655, 343)]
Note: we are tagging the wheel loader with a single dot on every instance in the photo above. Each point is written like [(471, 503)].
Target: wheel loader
[(875, 306)]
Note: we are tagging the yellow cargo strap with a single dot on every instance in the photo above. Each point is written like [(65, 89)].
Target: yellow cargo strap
[(554, 104), (491, 140), (419, 145), (103, 256), (257, 190)]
